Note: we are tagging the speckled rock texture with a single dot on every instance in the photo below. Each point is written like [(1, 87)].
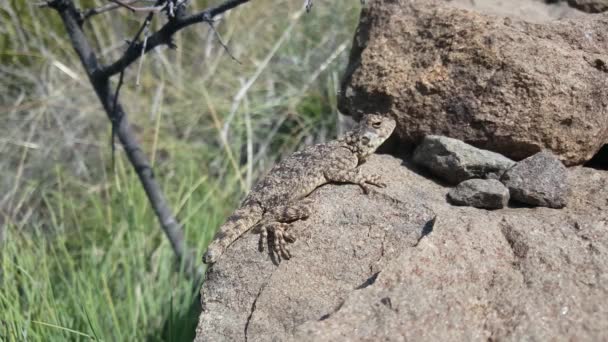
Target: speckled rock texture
[(455, 161), (404, 264), (539, 180), (591, 6), (501, 75), (480, 193)]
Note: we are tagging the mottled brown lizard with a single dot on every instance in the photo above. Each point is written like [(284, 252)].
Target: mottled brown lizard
[(279, 198)]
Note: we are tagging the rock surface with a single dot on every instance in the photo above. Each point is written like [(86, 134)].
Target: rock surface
[(539, 180), (504, 84), (480, 193), (340, 248), (456, 161), (591, 6), (360, 270), (536, 11)]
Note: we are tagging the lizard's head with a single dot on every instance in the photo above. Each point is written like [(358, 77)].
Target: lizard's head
[(373, 130)]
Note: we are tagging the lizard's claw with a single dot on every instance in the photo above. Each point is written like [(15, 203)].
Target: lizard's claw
[(289, 238), (280, 245), (280, 238)]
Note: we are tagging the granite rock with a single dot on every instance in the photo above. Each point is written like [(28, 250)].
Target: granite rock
[(455, 161), (539, 180), (480, 193)]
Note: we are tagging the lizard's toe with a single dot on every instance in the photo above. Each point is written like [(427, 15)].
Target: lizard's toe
[(280, 239), (263, 238), (285, 253), (289, 237)]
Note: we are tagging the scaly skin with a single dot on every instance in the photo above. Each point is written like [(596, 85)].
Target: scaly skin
[(279, 198)]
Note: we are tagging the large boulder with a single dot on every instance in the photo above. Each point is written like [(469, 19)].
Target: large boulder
[(376, 268), (501, 83)]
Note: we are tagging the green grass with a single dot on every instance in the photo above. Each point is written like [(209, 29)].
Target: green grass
[(81, 254), (99, 266)]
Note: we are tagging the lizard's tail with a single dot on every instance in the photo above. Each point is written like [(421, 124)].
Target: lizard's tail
[(237, 224)]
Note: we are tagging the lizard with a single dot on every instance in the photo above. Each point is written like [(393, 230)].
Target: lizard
[(279, 198)]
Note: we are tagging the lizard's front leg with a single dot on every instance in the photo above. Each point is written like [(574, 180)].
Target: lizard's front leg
[(354, 176)]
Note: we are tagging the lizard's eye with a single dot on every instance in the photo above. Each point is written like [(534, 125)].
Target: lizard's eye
[(376, 124)]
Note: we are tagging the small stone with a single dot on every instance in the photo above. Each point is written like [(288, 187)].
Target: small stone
[(539, 180), (456, 161), (480, 193), (589, 6)]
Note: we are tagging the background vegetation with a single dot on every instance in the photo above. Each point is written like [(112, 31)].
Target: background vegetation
[(81, 254)]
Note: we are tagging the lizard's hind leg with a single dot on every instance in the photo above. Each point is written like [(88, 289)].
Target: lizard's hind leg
[(276, 221), (289, 213)]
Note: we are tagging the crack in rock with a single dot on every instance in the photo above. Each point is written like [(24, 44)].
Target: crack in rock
[(253, 305), (519, 248)]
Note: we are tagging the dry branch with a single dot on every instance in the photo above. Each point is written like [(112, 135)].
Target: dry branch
[(100, 75), (164, 36)]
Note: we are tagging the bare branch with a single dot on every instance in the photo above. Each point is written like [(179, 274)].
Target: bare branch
[(99, 77), (109, 100), (117, 116), (164, 36), (128, 6), (105, 8)]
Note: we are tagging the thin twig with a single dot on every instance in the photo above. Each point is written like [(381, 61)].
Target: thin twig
[(164, 36), (308, 4), (171, 8), (219, 39), (86, 14), (128, 6), (117, 116), (141, 59), (123, 4)]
